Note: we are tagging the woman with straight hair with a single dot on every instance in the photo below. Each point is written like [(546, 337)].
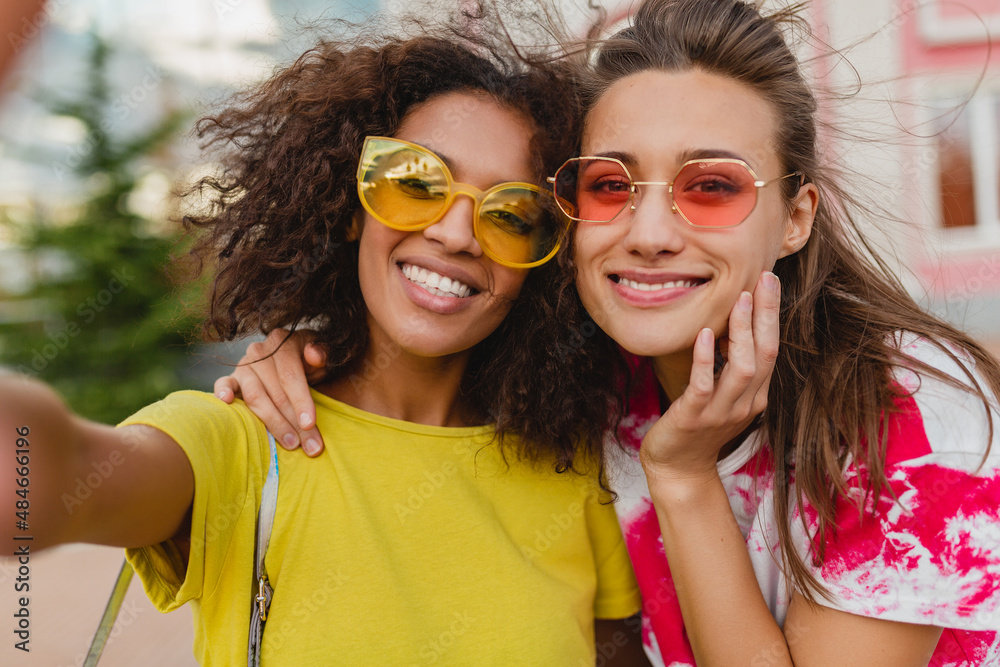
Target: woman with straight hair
[(855, 520)]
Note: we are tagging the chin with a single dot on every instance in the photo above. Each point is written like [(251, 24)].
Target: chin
[(648, 345)]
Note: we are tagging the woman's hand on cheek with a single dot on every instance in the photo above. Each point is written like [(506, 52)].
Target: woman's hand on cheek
[(685, 443), (273, 379)]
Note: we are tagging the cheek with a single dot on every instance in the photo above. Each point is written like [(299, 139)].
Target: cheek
[(758, 248), (586, 246), (507, 283), (376, 244)]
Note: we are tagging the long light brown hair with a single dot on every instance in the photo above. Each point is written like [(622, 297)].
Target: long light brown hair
[(842, 308)]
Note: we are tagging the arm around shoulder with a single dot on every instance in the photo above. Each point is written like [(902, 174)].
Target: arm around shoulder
[(86, 482)]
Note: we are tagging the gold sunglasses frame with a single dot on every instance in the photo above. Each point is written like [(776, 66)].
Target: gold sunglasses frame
[(634, 188)]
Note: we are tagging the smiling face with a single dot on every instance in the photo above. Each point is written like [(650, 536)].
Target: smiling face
[(433, 291), (648, 278)]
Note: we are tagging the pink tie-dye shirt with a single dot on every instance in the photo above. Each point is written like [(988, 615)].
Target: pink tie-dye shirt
[(933, 558)]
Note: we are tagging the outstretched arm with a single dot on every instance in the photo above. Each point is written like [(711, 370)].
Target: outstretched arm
[(725, 615), (86, 482)]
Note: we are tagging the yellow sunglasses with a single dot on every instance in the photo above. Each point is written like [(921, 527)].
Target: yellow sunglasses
[(407, 187)]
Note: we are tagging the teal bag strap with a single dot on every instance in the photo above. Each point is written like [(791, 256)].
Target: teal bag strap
[(262, 590), (261, 593)]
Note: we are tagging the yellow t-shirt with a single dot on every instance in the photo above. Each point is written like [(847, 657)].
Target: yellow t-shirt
[(402, 544)]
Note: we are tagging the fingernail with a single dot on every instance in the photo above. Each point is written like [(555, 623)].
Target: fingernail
[(311, 447), (746, 301), (706, 336), (771, 281), (289, 439), (221, 395), (304, 420)]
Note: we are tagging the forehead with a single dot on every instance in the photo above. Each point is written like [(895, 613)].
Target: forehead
[(479, 138), (658, 116)]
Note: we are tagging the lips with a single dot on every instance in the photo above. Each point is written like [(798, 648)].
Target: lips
[(657, 282), (654, 286), (435, 283), (653, 289)]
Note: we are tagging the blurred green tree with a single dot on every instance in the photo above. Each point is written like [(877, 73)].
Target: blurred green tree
[(112, 329)]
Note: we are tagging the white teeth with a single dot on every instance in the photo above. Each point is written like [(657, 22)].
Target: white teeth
[(435, 283), (652, 287)]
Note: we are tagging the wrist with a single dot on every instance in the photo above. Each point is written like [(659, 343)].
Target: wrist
[(671, 486), (687, 472)]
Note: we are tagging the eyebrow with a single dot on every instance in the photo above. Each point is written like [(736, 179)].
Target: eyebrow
[(686, 155), (448, 162)]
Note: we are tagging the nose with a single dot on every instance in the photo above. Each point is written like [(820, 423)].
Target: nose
[(653, 227), (454, 230)]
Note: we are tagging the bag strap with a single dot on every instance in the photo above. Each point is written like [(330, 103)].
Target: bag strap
[(110, 613), (262, 592), (260, 597)]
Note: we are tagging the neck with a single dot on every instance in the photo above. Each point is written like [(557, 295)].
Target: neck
[(398, 384), (673, 372)]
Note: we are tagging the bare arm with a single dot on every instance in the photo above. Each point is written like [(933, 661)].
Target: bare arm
[(725, 615), (87, 482), (619, 642), (19, 22)]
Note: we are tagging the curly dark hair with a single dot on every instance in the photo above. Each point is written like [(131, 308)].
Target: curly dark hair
[(277, 230)]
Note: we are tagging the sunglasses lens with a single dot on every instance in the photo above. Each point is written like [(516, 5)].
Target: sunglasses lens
[(592, 189), (715, 194), (408, 188), (517, 225), (401, 185)]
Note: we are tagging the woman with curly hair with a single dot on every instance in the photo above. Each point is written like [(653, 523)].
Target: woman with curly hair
[(828, 496), (385, 194)]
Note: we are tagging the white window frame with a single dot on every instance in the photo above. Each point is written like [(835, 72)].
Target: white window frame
[(983, 112), (941, 30)]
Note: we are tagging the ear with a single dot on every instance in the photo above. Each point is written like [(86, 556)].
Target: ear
[(357, 224), (800, 221)]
